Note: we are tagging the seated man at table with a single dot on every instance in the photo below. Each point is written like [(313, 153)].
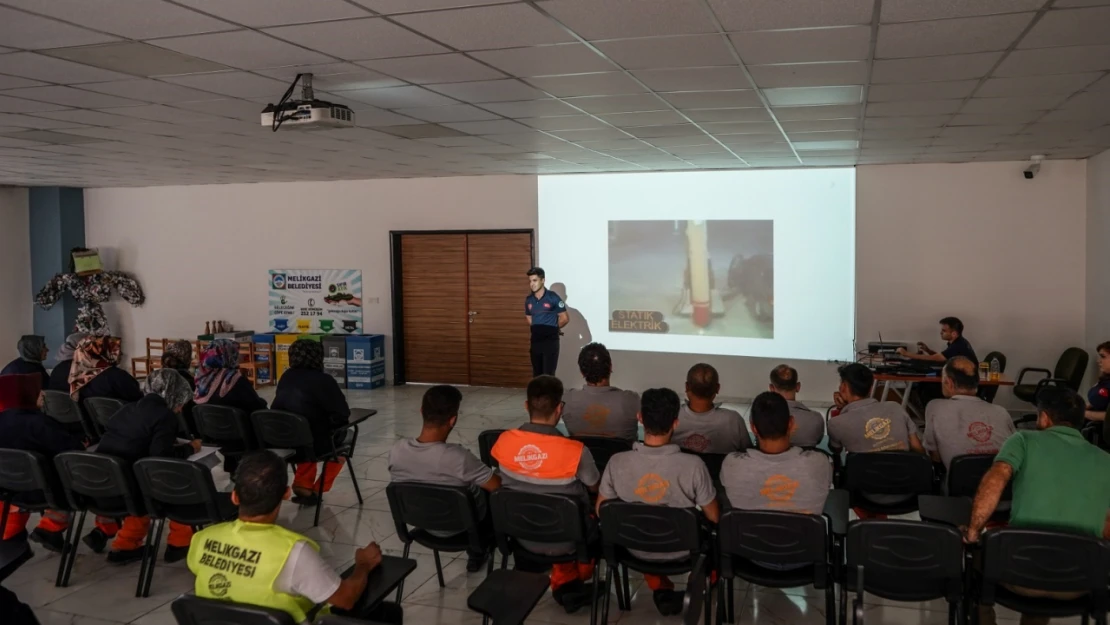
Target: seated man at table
[(1059, 481), (865, 424), (537, 457), (598, 409), (658, 473), (706, 427), (962, 423), (253, 560), (809, 425), (431, 459), (952, 332)]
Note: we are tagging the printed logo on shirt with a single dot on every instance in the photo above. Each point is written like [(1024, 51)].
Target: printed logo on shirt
[(652, 488), (547, 305), (562, 305), (596, 415), (696, 442), (530, 457), (218, 585), (877, 428), (1103, 392), (779, 489), (529, 306), (979, 431)]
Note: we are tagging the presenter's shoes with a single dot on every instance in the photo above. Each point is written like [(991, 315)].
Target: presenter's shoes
[(573, 596), (176, 554), (126, 557), (97, 540), (52, 541), (475, 561), (668, 602)]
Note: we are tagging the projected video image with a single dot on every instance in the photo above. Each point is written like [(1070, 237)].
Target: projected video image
[(707, 278)]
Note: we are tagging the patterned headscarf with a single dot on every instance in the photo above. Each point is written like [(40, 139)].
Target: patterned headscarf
[(94, 354), (218, 371), (306, 354), (19, 391), (65, 352), (30, 347), (170, 386), (179, 355)]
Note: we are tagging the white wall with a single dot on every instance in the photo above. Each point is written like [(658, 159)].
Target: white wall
[(1098, 249), (15, 280)]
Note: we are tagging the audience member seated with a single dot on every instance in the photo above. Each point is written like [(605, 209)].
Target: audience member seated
[(179, 357), (32, 351), (146, 429), (809, 425), (59, 375), (95, 372), (24, 426), (286, 571), (598, 409), (703, 426), (431, 459), (537, 457), (657, 472), (307, 390), (962, 423), (865, 424), (1059, 481), (1098, 398), (219, 382)]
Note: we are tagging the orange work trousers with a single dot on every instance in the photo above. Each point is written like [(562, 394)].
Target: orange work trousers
[(305, 477), (567, 572), (132, 534)]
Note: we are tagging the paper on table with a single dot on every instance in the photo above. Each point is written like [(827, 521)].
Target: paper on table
[(207, 456)]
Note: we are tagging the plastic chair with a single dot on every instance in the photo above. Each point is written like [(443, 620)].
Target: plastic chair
[(888, 473), (285, 430), (508, 597), (101, 410), (105, 486), (225, 426), (602, 448), (903, 561), (486, 441), (1068, 373), (61, 407), (428, 508), (33, 480), (712, 462), (192, 610), (543, 518), (180, 491), (964, 474), (748, 540), (988, 393)]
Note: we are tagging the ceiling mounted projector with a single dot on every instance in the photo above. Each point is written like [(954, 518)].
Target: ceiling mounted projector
[(308, 113)]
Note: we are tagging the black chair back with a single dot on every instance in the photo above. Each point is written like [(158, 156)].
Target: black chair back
[(192, 610), (1071, 367), (712, 462), (645, 527), (602, 448), (1044, 560), (782, 538), (888, 473), (60, 406), (519, 515), (30, 473), (223, 424), (486, 441), (101, 410), (965, 473), (434, 507), (988, 393), (283, 430), (906, 560), (100, 484), (179, 490)]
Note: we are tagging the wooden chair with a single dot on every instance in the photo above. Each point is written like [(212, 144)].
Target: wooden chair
[(141, 366), (249, 364)]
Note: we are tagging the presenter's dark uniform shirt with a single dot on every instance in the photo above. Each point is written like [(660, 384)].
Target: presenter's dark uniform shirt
[(544, 312), (960, 347), (1098, 398)]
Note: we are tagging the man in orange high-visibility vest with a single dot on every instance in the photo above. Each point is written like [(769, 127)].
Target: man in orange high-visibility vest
[(537, 457)]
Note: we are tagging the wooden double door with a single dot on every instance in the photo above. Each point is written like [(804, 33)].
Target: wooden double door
[(462, 307)]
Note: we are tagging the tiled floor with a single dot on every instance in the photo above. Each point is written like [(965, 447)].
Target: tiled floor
[(104, 595)]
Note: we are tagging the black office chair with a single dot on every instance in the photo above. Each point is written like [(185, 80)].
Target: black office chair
[(1048, 561), (486, 441), (712, 462), (890, 474), (179, 491), (656, 529), (105, 486), (798, 545), (61, 407), (602, 448), (442, 509), (964, 475), (988, 393), (524, 516), (193, 610), (903, 561), (30, 481), (226, 427), (1068, 373), (508, 597), (101, 410), (285, 430)]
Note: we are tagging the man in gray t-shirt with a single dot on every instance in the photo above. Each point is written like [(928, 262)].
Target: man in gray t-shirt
[(703, 426), (809, 425), (656, 472), (962, 423), (598, 409), (865, 424)]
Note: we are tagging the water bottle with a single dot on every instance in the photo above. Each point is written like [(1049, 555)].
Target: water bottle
[(984, 371), (996, 370)]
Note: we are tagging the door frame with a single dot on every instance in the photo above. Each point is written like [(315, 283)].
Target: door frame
[(396, 269)]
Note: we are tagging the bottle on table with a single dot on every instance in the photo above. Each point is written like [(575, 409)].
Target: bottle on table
[(984, 371), (996, 370)]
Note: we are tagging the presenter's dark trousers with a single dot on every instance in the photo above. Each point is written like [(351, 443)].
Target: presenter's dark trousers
[(545, 356)]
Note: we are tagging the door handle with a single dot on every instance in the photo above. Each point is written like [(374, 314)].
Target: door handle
[(472, 313)]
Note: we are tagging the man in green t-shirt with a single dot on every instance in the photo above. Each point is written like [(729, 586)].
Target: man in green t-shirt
[(1057, 480)]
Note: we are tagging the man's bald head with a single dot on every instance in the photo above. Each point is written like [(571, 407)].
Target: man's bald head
[(963, 374), (702, 381)]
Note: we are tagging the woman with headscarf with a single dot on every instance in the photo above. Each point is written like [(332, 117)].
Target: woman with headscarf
[(32, 351), (305, 389), (59, 375), (95, 372), (146, 429), (219, 383), (179, 357)]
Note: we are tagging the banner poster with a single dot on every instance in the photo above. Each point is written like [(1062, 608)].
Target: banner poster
[(315, 301)]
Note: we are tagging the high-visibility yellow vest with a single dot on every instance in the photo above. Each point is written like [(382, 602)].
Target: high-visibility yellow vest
[(240, 562)]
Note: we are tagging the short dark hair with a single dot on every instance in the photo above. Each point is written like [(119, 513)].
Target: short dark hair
[(954, 323), (858, 378), (260, 482), (784, 378), (1062, 405), (545, 393), (440, 403), (537, 271), (702, 380), (1103, 347), (595, 363), (770, 415), (963, 373), (659, 410)]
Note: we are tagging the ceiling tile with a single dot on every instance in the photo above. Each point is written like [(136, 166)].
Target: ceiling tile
[(804, 113), (956, 36), (498, 126), (277, 12), (740, 128), (359, 39), (677, 130), (921, 91), (615, 19), (821, 125), (375, 118), (988, 106), (809, 74), (1062, 60), (740, 98), (937, 68), (653, 118), (619, 103), (979, 131), (69, 96), (158, 113), (135, 58), (567, 58), (923, 121), (915, 10), (449, 113), (913, 107), (18, 105), (663, 52), (728, 115), (239, 109), (486, 28), (829, 144), (694, 79), (338, 83), (399, 97), (31, 32), (1011, 117), (1062, 4), (26, 121), (1072, 27), (1036, 85), (809, 45), (489, 91), (440, 68), (807, 96), (567, 122), (242, 50), (13, 82), (147, 90), (774, 14), (234, 84), (531, 108), (387, 7), (135, 19), (606, 83)]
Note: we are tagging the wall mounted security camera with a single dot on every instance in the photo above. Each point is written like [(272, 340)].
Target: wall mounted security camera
[(1034, 166)]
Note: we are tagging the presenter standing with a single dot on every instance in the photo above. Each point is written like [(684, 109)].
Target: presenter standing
[(546, 313)]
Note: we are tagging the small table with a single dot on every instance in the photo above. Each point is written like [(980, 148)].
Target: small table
[(358, 415), (508, 597), (383, 580), (955, 511)]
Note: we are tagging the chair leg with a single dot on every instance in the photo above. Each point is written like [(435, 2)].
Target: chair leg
[(627, 591), (146, 558), (953, 613), (843, 604), (857, 603), (354, 480), (401, 586), (708, 601), (731, 601), (1085, 619), (593, 600), (439, 569), (492, 557), (722, 612), (73, 554), (153, 551), (605, 600), (320, 496), (830, 605), (504, 561), (4, 515), (69, 551)]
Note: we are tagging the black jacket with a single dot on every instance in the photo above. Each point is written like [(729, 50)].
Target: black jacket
[(22, 367), (242, 396), (147, 429), (31, 430), (115, 383), (59, 376), (316, 396)]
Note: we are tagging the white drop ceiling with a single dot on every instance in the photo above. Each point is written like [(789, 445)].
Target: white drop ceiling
[(98, 93)]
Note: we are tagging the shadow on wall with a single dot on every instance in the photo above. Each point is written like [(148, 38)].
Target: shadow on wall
[(576, 335)]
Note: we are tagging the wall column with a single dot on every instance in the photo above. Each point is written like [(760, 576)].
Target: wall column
[(57, 222)]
